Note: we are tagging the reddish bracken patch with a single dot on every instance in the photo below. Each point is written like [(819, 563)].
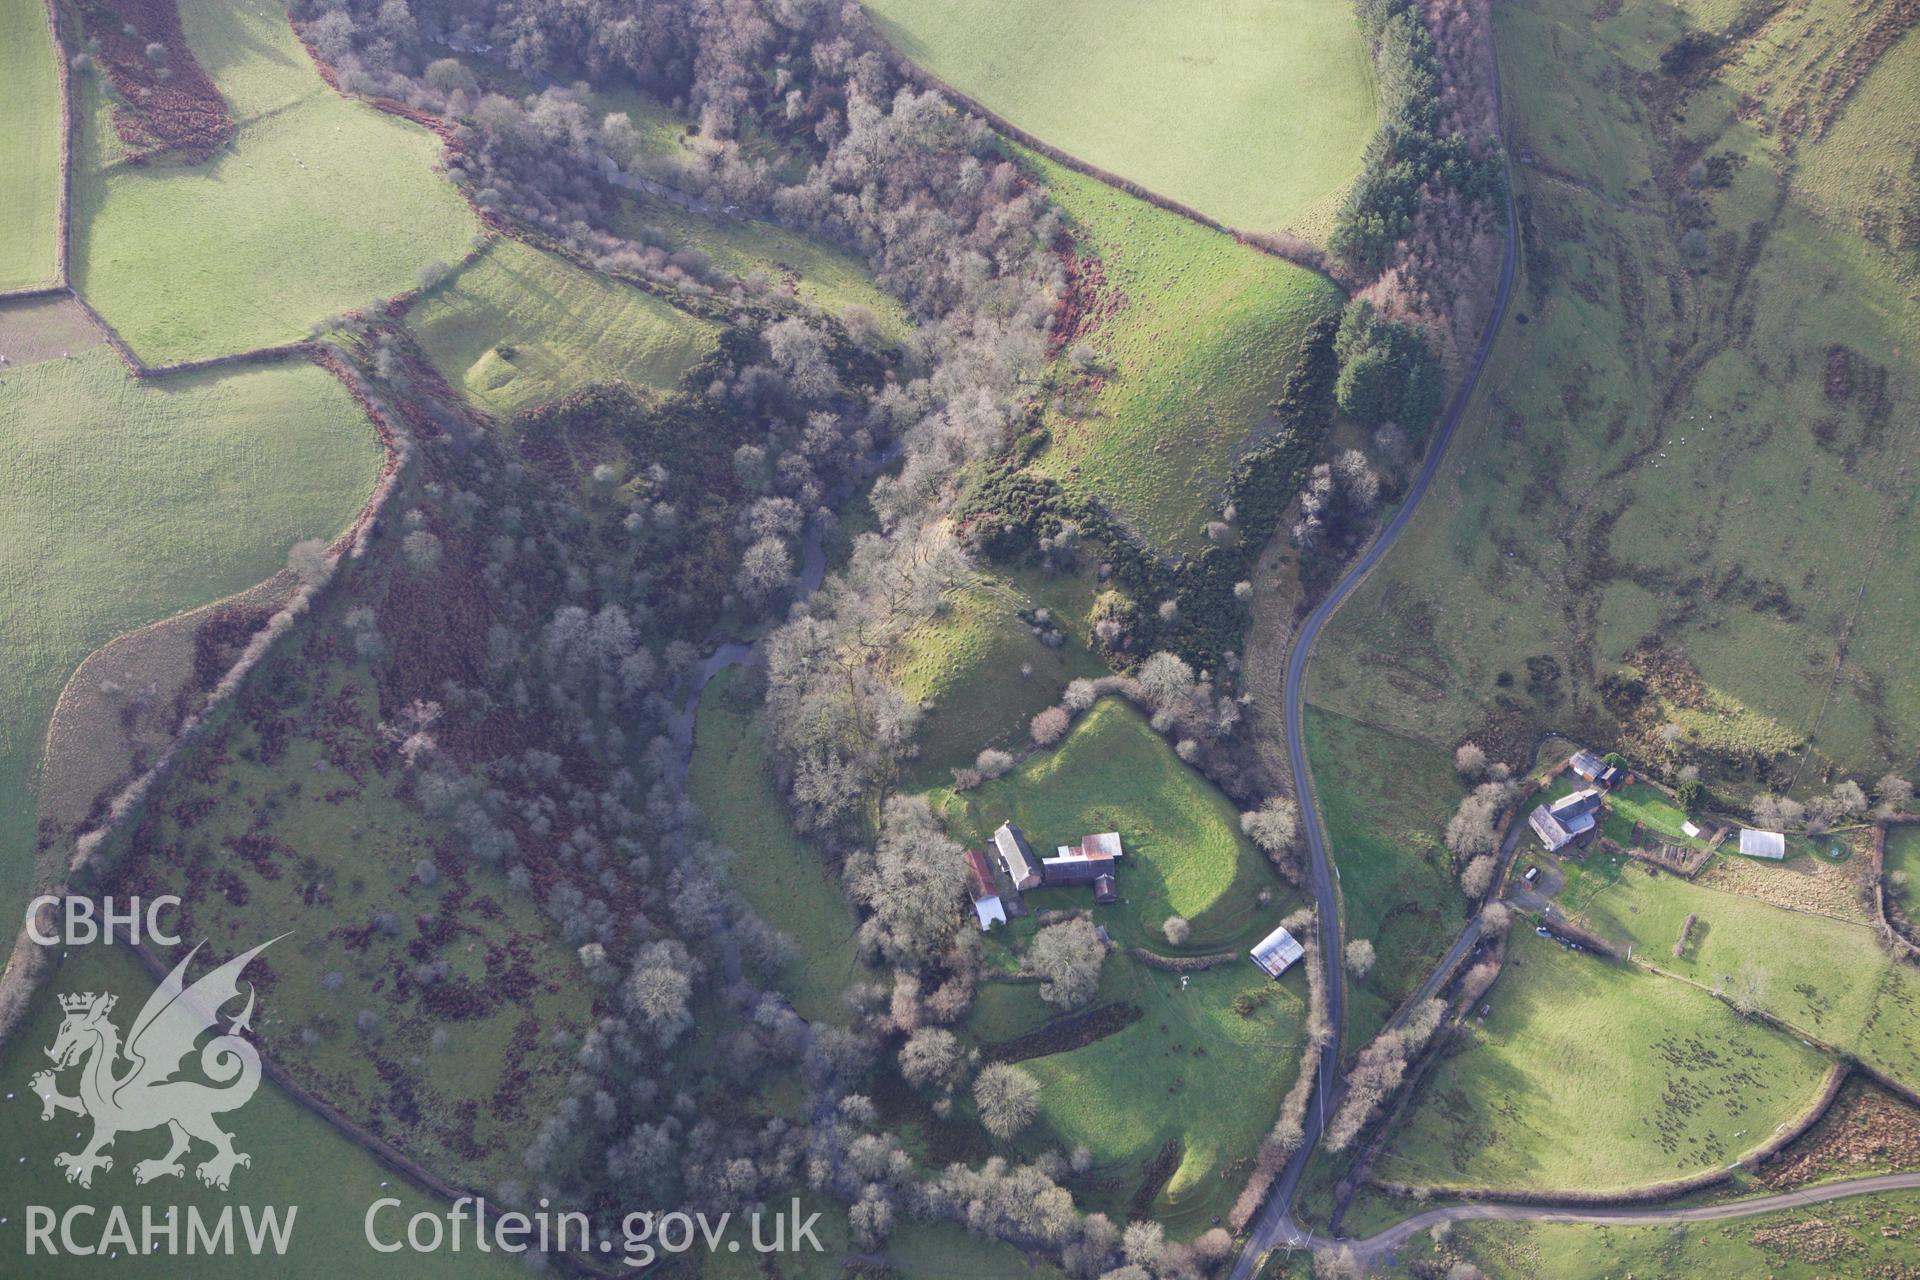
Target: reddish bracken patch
[(220, 638), (167, 102), (1085, 304), (1865, 1130)]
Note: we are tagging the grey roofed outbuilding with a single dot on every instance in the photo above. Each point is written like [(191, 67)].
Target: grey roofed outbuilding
[(1275, 952), (1571, 806), (1762, 844), (1017, 854), (1061, 871)]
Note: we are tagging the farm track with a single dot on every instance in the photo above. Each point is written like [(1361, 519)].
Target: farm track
[(1274, 1223)]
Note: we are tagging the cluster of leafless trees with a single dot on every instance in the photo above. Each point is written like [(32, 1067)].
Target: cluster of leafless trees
[(1378, 1070)]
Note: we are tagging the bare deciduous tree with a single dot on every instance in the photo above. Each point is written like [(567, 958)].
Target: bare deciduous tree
[(1007, 1097), (1050, 726), (1068, 957)]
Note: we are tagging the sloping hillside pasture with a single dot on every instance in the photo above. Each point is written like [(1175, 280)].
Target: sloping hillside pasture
[(1828, 977), (1589, 1076), (30, 177), (1870, 1235), (967, 666), (787, 883), (518, 328), (1191, 1072), (298, 1159), (787, 261), (288, 823), (319, 205), (1193, 336), (1703, 434), (123, 501), (1386, 799), (1184, 855), (1255, 112)]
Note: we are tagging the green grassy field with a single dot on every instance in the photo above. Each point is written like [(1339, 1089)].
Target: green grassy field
[(128, 501), (1202, 332), (1903, 852), (1658, 816), (518, 328), (1665, 394), (1253, 111), (1192, 1072), (968, 664), (1184, 855), (1868, 1236), (1386, 801), (1590, 1076), (786, 882), (1827, 977), (29, 147), (946, 1251), (298, 1160), (261, 838), (320, 205)]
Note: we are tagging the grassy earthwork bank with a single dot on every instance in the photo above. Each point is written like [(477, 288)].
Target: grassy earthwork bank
[(1173, 1104), (124, 501), (298, 1159), (787, 883), (1255, 112), (29, 147), (518, 327), (1707, 335), (764, 253), (1385, 800), (1590, 1076), (1185, 338), (981, 669), (1184, 1094), (1185, 854), (317, 206)]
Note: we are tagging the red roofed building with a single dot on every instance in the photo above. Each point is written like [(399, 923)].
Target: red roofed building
[(987, 906)]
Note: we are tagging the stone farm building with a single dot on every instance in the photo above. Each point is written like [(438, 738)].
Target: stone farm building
[(1277, 951), (1565, 820), (1595, 770), (1089, 863), (1023, 868), (987, 906)]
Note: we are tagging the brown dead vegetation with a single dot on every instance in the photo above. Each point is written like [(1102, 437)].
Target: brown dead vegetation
[(1867, 1130), (167, 103)]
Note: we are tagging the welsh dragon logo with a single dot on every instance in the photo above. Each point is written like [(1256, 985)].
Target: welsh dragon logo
[(131, 1088)]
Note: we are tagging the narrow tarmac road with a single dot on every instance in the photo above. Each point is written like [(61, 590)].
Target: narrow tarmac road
[(1275, 1219), (1372, 1250)]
